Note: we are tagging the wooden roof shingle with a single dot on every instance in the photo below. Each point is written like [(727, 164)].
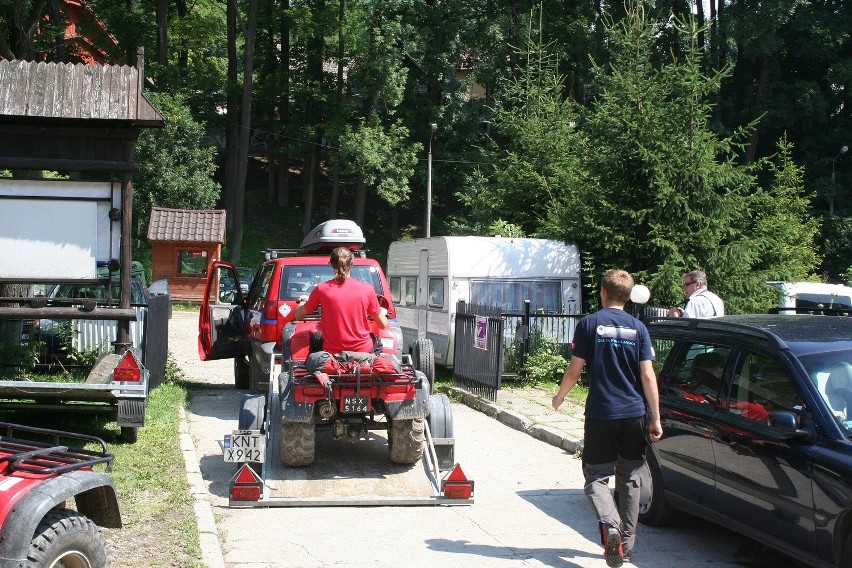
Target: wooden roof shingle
[(195, 225), (38, 89)]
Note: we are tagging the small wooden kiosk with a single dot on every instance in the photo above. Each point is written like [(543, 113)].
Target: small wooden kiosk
[(183, 243)]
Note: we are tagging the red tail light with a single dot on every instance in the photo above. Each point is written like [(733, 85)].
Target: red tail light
[(456, 485), (246, 485), (127, 369)]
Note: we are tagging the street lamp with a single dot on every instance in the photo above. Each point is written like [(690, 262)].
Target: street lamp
[(843, 150), (432, 128)]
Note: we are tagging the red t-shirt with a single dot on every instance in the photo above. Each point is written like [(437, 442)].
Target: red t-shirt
[(345, 307)]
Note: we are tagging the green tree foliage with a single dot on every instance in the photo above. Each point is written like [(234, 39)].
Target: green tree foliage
[(384, 156), (174, 169), (537, 160), (657, 192)]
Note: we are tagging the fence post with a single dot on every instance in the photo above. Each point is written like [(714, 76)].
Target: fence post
[(525, 346)]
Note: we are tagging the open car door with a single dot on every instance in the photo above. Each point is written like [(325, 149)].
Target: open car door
[(221, 330)]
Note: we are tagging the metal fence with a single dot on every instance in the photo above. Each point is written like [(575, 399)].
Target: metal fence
[(478, 349), (481, 367)]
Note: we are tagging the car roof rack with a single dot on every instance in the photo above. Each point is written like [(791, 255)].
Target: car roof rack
[(273, 253), (710, 324)]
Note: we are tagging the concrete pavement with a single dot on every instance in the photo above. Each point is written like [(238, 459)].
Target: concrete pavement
[(528, 410)]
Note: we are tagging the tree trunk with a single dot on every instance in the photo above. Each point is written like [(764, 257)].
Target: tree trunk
[(311, 163), (757, 103), (284, 108), (360, 199), (162, 10), (232, 149), (245, 131), (341, 44)]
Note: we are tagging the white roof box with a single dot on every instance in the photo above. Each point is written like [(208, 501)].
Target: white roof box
[(334, 233)]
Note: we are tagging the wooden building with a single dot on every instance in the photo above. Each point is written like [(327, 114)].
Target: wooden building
[(183, 243)]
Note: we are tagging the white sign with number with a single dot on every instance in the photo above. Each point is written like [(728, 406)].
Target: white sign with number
[(244, 446)]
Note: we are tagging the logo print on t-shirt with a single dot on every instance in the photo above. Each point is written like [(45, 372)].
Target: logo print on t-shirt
[(616, 335)]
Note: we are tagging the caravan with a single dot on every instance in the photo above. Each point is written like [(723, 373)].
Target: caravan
[(428, 276), (810, 297)]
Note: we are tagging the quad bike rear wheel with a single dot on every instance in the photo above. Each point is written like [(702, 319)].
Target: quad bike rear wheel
[(298, 440), (406, 440)]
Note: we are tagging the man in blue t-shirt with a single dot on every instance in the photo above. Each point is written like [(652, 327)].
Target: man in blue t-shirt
[(616, 349)]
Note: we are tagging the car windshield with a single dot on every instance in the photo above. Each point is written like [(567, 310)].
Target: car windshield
[(300, 280), (831, 372)]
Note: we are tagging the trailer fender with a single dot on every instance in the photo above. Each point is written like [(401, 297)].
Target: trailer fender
[(292, 411), (418, 407), (95, 497)]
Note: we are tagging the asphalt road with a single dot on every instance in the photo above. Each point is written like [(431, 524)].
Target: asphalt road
[(529, 505)]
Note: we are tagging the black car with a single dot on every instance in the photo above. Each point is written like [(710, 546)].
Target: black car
[(757, 430)]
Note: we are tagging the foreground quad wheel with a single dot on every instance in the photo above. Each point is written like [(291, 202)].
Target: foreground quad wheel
[(440, 416), (406, 440), (66, 539), (297, 443), (241, 373), (424, 360)]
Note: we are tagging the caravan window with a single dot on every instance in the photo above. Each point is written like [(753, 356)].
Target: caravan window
[(403, 290), (410, 297), (436, 292), (394, 288), (544, 296)]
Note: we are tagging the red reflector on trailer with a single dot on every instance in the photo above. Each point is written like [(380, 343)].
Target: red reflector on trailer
[(456, 485), (245, 493), (127, 369), (246, 485)]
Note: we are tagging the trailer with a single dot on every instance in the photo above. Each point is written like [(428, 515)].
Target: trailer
[(314, 437), (345, 472), (428, 276), (78, 256)]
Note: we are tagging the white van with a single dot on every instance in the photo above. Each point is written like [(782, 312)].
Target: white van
[(798, 297), (428, 276)]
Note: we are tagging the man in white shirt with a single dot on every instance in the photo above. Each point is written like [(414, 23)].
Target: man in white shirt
[(700, 302)]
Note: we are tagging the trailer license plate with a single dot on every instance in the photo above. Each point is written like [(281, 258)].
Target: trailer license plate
[(245, 446), (355, 404)]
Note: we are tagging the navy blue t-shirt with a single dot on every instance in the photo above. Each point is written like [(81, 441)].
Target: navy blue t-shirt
[(612, 342)]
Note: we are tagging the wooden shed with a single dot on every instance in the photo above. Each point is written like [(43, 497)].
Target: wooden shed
[(183, 243)]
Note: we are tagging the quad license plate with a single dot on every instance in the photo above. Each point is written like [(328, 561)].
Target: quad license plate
[(244, 446), (352, 404)]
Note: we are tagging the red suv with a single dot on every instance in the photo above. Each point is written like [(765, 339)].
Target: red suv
[(251, 328)]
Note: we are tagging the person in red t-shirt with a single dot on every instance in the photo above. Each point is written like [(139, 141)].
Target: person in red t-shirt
[(346, 304)]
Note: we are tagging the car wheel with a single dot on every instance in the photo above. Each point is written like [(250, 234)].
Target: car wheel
[(424, 360), (129, 434), (657, 512), (241, 373), (64, 538)]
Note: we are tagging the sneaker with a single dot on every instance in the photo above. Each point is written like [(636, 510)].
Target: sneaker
[(612, 548), (626, 555)]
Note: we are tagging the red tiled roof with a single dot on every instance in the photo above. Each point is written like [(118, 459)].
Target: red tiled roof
[(195, 225)]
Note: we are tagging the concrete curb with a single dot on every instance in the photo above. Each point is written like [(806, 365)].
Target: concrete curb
[(516, 421), (208, 535)]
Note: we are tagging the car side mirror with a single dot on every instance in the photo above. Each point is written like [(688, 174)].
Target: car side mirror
[(787, 423)]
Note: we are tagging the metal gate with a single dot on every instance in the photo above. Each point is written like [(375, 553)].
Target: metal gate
[(478, 349)]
